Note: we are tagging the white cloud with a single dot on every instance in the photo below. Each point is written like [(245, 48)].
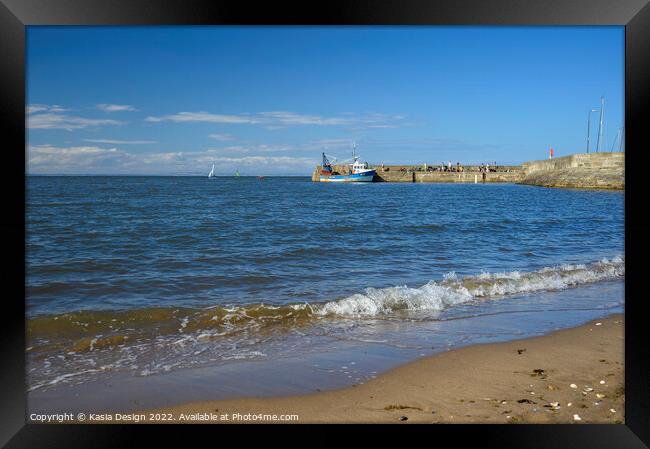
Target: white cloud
[(197, 162), (51, 120), (271, 160), (254, 149), (120, 142), (115, 107), (279, 119), (232, 149), (221, 137), (42, 116), (291, 118), (379, 126), (49, 159), (82, 159), (255, 161), (34, 108), (203, 117)]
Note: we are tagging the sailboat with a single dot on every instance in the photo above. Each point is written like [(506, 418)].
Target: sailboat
[(211, 174), (237, 173)]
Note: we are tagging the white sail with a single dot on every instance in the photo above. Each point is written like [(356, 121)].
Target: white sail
[(211, 174)]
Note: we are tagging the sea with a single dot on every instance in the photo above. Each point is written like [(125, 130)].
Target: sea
[(149, 291)]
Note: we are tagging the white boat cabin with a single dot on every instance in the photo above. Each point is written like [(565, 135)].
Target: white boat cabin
[(359, 167)]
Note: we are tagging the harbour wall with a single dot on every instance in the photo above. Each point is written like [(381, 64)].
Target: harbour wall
[(585, 170), (410, 173)]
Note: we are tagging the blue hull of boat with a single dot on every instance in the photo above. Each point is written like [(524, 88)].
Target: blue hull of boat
[(359, 177)]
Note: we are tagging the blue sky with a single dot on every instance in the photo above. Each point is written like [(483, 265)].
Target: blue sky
[(269, 100)]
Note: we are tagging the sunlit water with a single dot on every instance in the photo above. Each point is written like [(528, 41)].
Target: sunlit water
[(145, 276)]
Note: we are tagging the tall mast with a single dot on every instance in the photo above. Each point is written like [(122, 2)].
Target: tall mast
[(618, 134), (588, 126), (600, 125), (620, 143)]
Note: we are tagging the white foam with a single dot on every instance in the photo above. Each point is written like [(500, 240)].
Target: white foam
[(237, 334), (244, 355), (436, 296), (63, 378), (431, 296)]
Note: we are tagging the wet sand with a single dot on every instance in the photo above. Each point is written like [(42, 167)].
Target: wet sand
[(569, 376)]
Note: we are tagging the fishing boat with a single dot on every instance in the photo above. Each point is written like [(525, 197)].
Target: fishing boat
[(211, 174), (359, 172)]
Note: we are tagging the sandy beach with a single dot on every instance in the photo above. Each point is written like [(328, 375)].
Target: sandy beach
[(569, 376)]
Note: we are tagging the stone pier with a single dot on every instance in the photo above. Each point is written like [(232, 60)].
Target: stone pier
[(410, 173), (587, 171)]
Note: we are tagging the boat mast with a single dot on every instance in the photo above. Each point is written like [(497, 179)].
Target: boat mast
[(588, 120), (600, 125), (618, 134), (620, 143), (589, 127)]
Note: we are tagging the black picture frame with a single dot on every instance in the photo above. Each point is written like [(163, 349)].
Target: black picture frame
[(15, 15)]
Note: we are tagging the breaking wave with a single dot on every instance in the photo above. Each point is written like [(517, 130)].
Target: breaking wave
[(436, 296), (100, 341), (88, 330)]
